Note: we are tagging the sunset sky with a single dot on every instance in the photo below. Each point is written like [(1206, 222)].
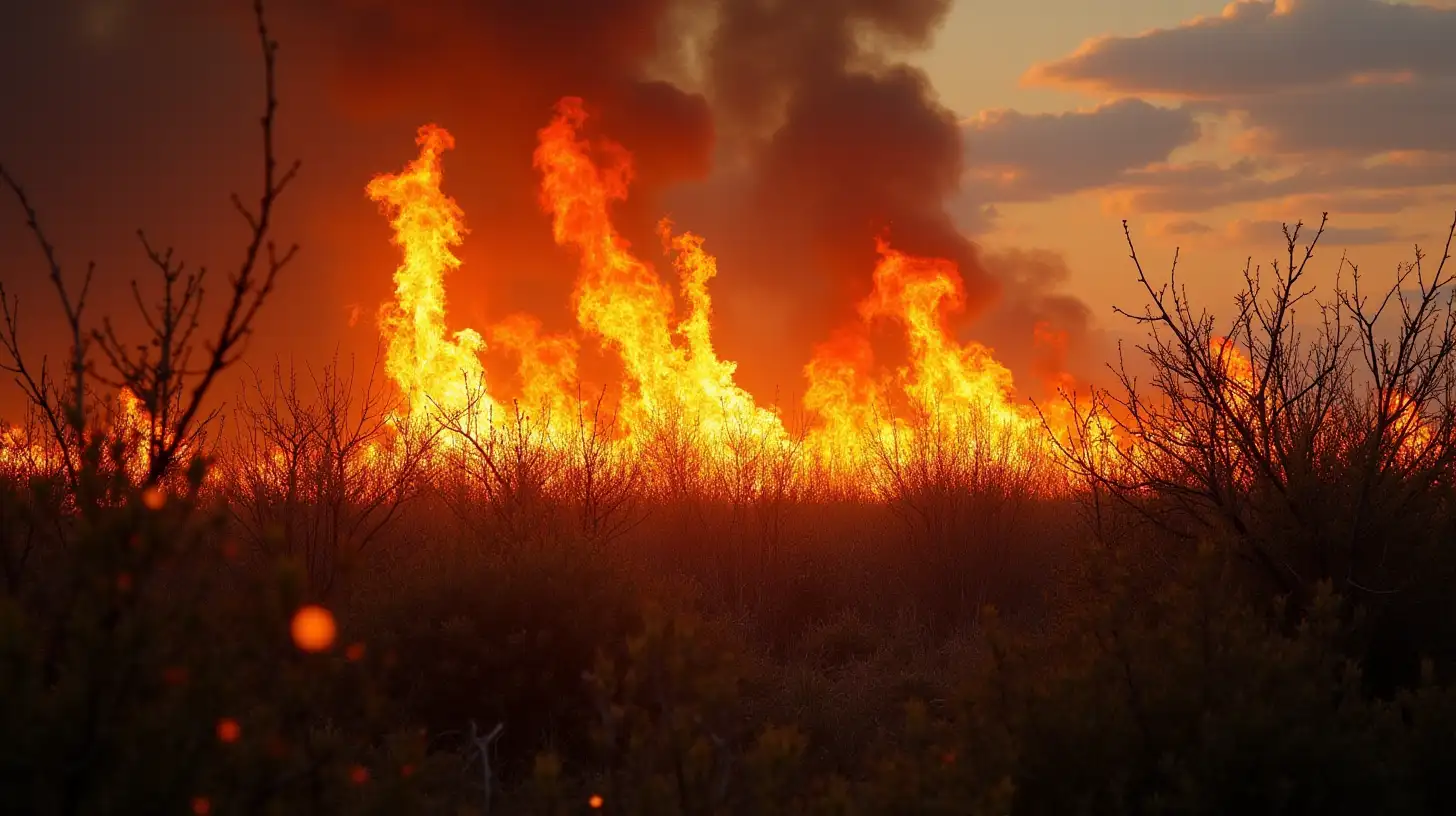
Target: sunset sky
[(1204, 124)]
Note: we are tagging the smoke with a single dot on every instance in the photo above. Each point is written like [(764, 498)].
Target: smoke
[(1045, 335), (789, 133), (490, 71), (837, 141)]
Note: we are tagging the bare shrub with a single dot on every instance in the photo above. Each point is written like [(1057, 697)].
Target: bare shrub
[(320, 475), (962, 483), (511, 469), (753, 468), (604, 480), (1321, 447)]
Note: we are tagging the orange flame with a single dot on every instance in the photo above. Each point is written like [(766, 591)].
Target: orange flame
[(671, 369), (622, 300), (432, 367), (945, 384)]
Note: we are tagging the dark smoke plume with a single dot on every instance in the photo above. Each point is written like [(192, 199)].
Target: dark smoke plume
[(842, 143), (801, 130)]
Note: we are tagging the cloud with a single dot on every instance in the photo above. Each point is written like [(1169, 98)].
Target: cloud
[(1269, 232), (1257, 234), (1200, 186), (1347, 203), (1180, 227), (1406, 113), (1030, 157), (1261, 47)]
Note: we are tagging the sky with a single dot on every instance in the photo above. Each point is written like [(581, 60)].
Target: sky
[(1011, 137), (1207, 125)]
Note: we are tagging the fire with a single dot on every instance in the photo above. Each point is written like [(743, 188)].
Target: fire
[(671, 369), (433, 368), (1408, 431), (18, 452), (1412, 433), (1236, 367), (920, 293), (670, 363), (133, 426), (34, 450), (945, 386), (547, 367)]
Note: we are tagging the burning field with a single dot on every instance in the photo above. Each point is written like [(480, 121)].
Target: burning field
[(563, 554), (671, 381)]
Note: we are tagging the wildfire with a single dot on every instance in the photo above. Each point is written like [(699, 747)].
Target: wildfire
[(670, 363), (34, 451), (670, 368), (944, 387)]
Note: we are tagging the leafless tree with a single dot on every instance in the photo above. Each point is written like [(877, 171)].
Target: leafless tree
[(1323, 446), (173, 368)]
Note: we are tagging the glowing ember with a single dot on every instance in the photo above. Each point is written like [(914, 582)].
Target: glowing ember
[(313, 629), (228, 730)]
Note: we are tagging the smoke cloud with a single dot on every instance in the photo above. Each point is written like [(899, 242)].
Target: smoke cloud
[(838, 142), (804, 134)]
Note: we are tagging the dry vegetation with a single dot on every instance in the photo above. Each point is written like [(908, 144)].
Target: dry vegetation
[(1242, 606)]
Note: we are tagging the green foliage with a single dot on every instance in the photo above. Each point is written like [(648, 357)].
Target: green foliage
[(1192, 700)]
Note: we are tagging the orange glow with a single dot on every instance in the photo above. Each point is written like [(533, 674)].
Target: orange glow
[(671, 369), (1412, 433), (154, 498), (595, 802), (669, 360), (313, 629), (228, 730)]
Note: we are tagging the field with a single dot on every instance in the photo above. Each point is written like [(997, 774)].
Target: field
[(1218, 582)]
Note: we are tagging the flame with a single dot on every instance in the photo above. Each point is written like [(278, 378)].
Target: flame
[(19, 454), (434, 369), (547, 367), (670, 364), (132, 425), (945, 386), (32, 451), (1413, 433), (920, 294), (663, 338)]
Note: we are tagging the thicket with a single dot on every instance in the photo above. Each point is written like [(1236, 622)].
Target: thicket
[(1243, 607)]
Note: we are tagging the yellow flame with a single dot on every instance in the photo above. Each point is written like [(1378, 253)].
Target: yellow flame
[(433, 368)]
